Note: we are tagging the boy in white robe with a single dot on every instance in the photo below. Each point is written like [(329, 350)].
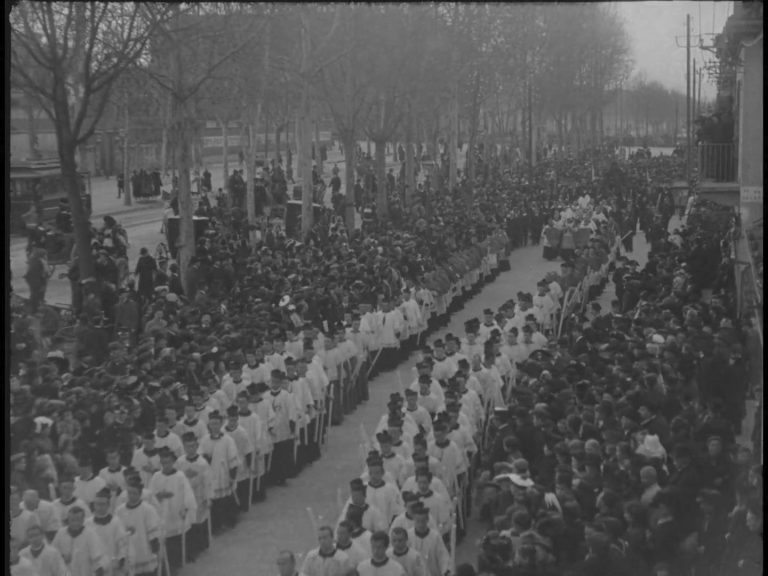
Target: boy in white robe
[(87, 484), (427, 399), (326, 559), (145, 459), (369, 329), (198, 472), (251, 423), (331, 357), (177, 504), (294, 345), (424, 368), (67, 500), (21, 518), (444, 367), (255, 369), (418, 413), (192, 422), (234, 382), (284, 429), (373, 519), (449, 455), (113, 473), (544, 302), (380, 564), (470, 401), (488, 326), (412, 561), (244, 452), (394, 463), (174, 424), (512, 349), (391, 328), (165, 438), (132, 475), (471, 345), (111, 533), (45, 511), (429, 544), (142, 524), (427, 463), (298, 388), (80, 547), (19, 565), (358, 534), (412, 314), (386, 497), (309, 383), (345, 543), (220, 451), (405, 521), (274, 353), (491, 382), (44, 558), (439, 506), (263, 409)]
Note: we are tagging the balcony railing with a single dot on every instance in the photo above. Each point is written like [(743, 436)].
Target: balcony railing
[(718, 162)]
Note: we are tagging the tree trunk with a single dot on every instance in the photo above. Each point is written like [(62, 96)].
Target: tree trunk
[(165, 141), (278, 134), (32, 131), (473, 129), (382, 204), (225, 151), (266, 142), (127, 192), (410, 180), (348, 141), (305, 162), (318, 158), (250, 198), (186, 240), (80, 221), (163, 151), (453, 141)]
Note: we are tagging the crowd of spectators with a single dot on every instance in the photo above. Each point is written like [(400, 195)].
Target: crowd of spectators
[(174, 345)]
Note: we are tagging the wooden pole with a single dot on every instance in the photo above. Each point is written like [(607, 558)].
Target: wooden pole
[(688, 97)]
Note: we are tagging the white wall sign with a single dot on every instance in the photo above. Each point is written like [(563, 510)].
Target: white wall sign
[(752, 194)]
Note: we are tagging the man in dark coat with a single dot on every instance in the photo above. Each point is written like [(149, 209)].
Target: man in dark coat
[(146, 268), (685, 478)]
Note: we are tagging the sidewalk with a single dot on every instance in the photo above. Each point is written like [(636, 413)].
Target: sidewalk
[(104, 199)]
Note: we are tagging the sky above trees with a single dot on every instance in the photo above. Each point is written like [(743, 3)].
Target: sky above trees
[(653, 26)]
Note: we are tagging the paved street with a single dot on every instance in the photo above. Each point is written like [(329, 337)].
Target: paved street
[(282, 521), (142, 220)]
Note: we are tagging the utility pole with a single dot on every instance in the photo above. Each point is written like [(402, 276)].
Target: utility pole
[(688, 97), (677, 113), (693, 92), (698, 98)]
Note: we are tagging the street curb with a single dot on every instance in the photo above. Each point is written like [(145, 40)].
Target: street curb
[(130, 210)]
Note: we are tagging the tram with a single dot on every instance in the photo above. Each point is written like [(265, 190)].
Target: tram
[(41, 184)]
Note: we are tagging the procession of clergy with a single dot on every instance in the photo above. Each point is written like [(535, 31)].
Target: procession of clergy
[(269, 417)]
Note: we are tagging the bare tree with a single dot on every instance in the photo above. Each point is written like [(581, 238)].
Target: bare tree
[(187, 53), (67, 57)]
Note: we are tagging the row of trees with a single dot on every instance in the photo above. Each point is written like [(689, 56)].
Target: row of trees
[(408, 74), (647, 109)]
